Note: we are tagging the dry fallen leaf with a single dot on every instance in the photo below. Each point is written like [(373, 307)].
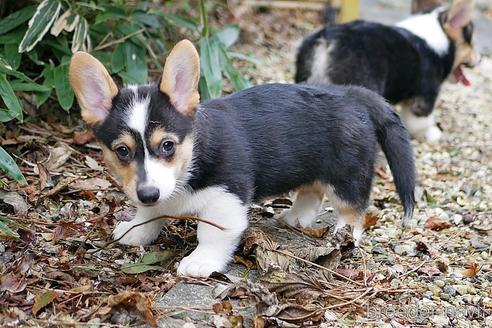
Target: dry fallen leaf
[(131, 301), (12, 283), (436, 223), (429, 270), (370, 221), (91, 184), (81, 138), (59, 155), (471, 270), (43, 300), (315, 232)]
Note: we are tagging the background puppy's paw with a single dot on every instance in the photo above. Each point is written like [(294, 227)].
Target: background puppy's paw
[(201, 263), (433, 134), (140, 235)]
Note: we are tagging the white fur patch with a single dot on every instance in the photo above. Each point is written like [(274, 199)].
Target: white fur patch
[(304, 210), (138, 114), (160, 176), (421, 127), (428, 28), (215, 247), (320, 62)]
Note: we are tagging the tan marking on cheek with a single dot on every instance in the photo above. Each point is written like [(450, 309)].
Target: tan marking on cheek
[(158, 135), (125, 174)]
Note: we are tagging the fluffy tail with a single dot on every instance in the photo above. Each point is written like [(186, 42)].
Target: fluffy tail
[(395, 142)]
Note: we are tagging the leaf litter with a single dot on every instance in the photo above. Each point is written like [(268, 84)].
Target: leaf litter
[(59, 267)]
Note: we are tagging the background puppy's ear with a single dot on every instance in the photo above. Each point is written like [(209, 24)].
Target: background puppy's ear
[(459, 14), (423, 5), (93, 87), (181, 76)]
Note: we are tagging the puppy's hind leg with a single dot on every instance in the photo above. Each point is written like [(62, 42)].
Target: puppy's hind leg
[(348, 214), (306, 206)]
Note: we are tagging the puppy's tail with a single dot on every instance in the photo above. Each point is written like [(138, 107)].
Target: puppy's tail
[(395, 142)]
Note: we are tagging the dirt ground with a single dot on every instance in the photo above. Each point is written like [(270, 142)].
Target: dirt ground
[(58, 265)]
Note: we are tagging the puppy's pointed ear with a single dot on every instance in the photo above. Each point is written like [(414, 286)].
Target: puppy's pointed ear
[(93, 87), (181, 76), (459, 14)]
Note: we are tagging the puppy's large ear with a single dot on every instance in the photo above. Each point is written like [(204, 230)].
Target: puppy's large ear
[(181, 76), (459, 15), (93, 87)]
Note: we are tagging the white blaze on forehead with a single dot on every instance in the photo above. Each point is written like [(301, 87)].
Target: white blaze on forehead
[(138, 115), (428, 28)]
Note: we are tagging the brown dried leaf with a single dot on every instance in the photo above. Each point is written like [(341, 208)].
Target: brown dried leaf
[(436, 223), (471, 270), (429, 270), (315, 232), (43, 300), (64, 229), (91, 184), (44, 177), (81, 138), (244, 261), (424, 247), (131, 301), (354, 274), (370, 221), (12, 283), (59, 155)]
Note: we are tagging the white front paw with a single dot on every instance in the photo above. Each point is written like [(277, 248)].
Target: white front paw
[(202, 262), (433, 134), (141, 235), (294, 219)]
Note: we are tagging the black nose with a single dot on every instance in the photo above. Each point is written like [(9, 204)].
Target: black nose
[(148, 195)]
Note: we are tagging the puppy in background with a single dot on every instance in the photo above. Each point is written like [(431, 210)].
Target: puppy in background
[(405, 63), (174, 156)]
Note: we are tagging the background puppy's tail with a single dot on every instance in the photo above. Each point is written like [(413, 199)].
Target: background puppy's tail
[(395, 142)]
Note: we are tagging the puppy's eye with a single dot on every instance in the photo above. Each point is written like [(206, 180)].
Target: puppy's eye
[(167, 148), (123, 152)]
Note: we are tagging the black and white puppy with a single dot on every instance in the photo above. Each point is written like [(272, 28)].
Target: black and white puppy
[(406, 63), (175, 156)]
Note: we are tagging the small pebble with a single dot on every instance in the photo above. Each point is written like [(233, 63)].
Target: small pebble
[(439, 283), (440, 320), (409, 249), (449, 290), (461, 289)]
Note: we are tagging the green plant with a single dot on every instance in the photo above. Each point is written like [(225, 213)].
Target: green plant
[(36, 44)]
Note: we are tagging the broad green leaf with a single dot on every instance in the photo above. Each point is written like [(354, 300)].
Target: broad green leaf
[(231, 73), (64, 92), (43, 300), (228, 35), (8, 165), (28, 86), (118, 58), (174, 19), (40, 23), (156, 257), (80, 35), (12, 55), (9, 98), (204, 92), (13, 37), (6, 115), (7, 69), (136, 65), (146, 19), (6, 231), (238, 55), (135, 268), (48, 82), (210, 65), (15, 19)]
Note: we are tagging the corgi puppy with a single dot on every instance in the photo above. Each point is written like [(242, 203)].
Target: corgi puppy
[(175, 156), (406, 63)]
